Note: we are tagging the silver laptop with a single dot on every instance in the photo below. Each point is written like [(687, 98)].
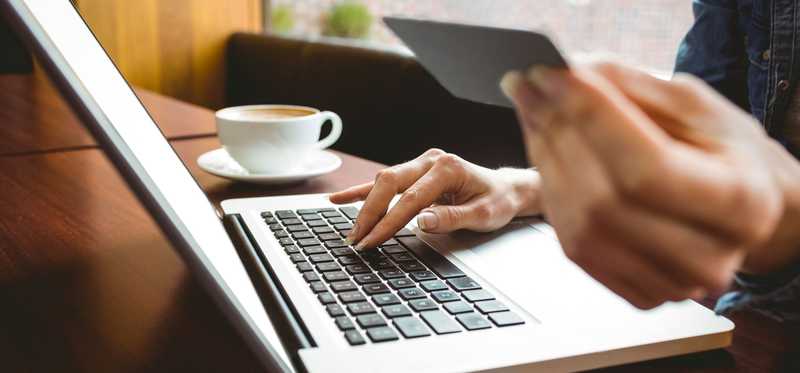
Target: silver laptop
[(306, 302)]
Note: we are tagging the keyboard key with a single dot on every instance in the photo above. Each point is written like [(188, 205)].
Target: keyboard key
[(334, 310), (379, 288), (304, 266), (354, 338), (316, 224), (291, 249), (396, 310), (411, 327), (334, 276), (282, 234), (317, 287), (342, 251), (433, 285), (308, 242), (393, 249), (306, 211), (401, 283), (439, 264), (341, 286), (328, 266), (349, 211), (311, 250), (343, 226), (329, 236), (463, 283), (457, 307), (357, 268), (382, 264), (422, 276), (297, 228), (366, 278), (423, 304), (445, 296), (286, 241), (297, 258), (266, 214), (275, 227), (477, 295), (440, 322), (370, 320), (321, 230), (403, 257), (473, 321), (310, 217), (302, 235), (345, 232), (352, 297), (331, 214), (319, 258), (391, 273), (411, 266), (385, 299), (382, 334), (404, 233), (326, 298), (285, 214), (332, 244), (324, 209), (372, 256), (491, 306), (292, 221), (411, 293), (506, 318), (310, 276), (270, 220), (360, 308), (338, 220), (350, 259), (344, 323)]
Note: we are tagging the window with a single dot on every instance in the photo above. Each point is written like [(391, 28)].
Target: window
[(641, 32)]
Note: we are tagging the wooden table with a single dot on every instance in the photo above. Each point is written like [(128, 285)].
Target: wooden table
[(89, 284)]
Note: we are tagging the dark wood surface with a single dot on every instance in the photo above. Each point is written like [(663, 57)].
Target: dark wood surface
[(89, 284), (34, 118)]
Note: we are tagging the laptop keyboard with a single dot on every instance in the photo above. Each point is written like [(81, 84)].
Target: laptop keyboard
[(402, 289)]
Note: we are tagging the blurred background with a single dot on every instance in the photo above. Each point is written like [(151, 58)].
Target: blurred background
[(337, 55)]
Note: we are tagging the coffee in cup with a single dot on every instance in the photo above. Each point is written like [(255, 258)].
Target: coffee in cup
[(274, 138)]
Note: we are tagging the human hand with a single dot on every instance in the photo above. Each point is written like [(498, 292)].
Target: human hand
[(657, 189), (451, 193)]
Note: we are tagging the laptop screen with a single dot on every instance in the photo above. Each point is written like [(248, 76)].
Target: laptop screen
[(146, 156)]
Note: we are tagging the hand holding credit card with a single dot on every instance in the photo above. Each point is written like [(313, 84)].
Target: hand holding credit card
[(470, 60)]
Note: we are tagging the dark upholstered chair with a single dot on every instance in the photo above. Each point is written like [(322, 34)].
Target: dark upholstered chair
[(391, 107)]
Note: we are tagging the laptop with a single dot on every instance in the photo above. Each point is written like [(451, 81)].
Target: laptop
[(304, 301)]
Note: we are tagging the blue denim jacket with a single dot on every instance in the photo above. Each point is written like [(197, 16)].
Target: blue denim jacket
[(748, 50)]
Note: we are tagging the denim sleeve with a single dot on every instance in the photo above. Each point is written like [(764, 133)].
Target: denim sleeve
[(714, 49), (776, 295)]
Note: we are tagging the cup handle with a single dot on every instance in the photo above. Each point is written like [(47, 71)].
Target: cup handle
[(336, 129)]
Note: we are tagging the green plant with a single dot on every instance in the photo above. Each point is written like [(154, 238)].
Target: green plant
[(282, 19), (348, 19)]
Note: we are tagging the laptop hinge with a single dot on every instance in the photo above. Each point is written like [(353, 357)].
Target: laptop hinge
[(289, 326)]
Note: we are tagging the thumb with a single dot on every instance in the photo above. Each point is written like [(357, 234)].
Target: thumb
[(445, 219)]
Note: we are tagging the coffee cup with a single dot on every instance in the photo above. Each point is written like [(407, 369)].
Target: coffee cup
[(270, 139)]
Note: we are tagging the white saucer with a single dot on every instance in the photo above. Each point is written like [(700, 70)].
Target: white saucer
[(218, 162)]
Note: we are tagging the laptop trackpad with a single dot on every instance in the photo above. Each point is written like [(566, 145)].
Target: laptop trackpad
[(525, 263)]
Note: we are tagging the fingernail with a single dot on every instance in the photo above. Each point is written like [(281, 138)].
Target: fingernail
[(427, 220), (550, 82), (348, 240), (360, 246), (509, 82)]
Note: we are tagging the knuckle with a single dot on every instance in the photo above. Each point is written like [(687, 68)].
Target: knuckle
[(640, 179), (764, 211), (597, 211), (387, 176), (687, 84), (410, 196), (605, 67), (484, 212), (451, 163), (434, 153)]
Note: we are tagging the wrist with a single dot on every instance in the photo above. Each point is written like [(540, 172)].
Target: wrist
[(525, 187)]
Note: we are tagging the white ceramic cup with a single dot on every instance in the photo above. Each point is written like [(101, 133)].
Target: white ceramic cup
[(264, 141)]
